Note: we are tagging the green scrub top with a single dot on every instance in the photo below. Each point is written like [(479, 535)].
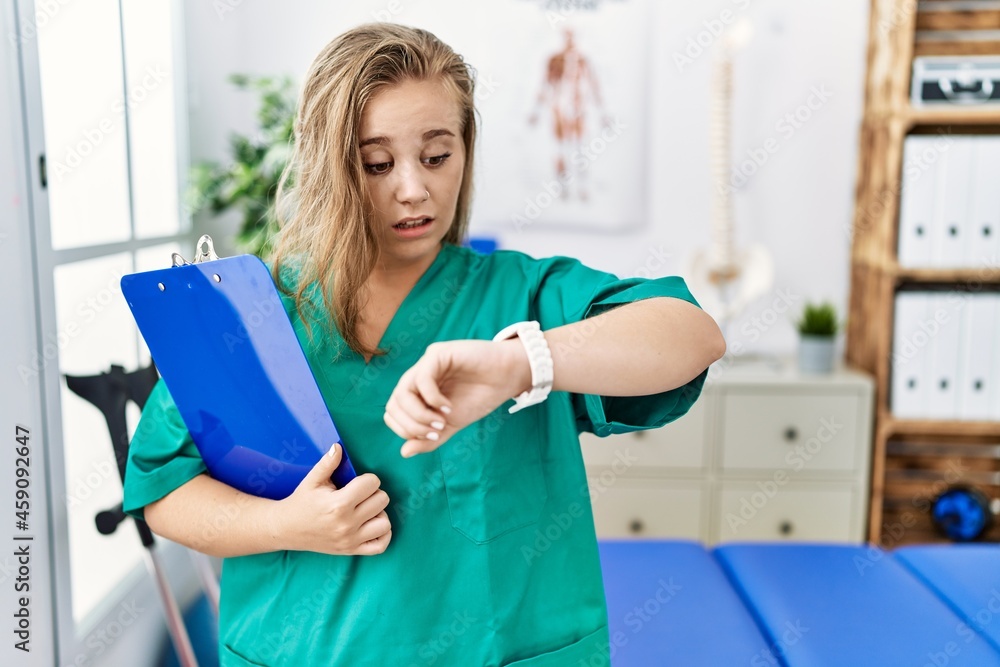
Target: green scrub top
[(493, 559)]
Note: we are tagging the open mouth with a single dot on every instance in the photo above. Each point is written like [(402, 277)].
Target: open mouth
[(411, 224)]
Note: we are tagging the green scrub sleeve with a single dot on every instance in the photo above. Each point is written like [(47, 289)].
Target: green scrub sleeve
[(162, 456), (569, 291)]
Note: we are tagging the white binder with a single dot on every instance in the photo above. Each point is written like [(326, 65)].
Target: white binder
[(951, 204), (921, 161), (946, 311), (983, 234), (977, 368), (911, 340)]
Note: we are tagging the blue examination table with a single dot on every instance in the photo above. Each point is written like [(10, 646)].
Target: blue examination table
[(678, 603)]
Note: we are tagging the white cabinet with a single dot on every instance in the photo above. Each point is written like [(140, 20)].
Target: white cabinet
[(649, 508), (765, 454), (794, 511)]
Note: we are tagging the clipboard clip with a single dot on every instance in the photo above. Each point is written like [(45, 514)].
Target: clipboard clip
[(204, 252)]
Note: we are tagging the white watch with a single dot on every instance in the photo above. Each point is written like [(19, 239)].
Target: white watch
[(539, 357)]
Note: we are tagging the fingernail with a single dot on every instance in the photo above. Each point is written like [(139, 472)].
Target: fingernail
[(332, 450), (432, 436), (438, 425), (445, 409)]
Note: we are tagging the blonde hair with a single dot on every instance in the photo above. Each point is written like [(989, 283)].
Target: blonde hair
[(326, 217)]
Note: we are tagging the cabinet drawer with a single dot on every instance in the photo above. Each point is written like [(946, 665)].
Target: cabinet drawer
[(679, 444), (783, 430), (647, 508), (813, 511)]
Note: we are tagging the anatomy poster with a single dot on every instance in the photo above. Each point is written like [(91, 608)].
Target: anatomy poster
[(562, 91)]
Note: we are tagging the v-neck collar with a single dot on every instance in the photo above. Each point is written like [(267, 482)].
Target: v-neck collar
[(390, 334)]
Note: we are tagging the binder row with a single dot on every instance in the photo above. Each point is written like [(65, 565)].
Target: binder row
[(949, 213), (946, 357)]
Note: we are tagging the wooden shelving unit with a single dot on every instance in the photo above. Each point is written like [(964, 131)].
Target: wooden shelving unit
[(903, 480)]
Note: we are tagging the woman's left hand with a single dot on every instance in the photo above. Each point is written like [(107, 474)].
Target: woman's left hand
[(454, 384)]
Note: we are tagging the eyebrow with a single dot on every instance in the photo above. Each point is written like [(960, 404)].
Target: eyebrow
[(428, 135)]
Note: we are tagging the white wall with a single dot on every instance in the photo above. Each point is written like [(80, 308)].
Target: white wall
[(799, 203)]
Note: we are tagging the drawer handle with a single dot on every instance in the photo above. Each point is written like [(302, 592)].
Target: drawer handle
[(791, 434), (636, 526), (786, 528)]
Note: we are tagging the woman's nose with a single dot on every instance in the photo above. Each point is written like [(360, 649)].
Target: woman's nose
[(410, 185)]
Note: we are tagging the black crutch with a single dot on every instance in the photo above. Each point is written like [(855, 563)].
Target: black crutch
[(110, 392)]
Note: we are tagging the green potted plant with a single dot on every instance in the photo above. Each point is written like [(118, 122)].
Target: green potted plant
[(249, 182), (818, 327)]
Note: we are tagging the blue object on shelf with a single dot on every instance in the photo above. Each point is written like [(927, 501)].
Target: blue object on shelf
[(223, 344), (482, 244), (962, 513)]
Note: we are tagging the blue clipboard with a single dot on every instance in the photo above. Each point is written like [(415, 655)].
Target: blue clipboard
[(220, 337)]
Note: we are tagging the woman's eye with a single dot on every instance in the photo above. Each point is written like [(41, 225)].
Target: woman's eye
[(437, 160), (379, 168)]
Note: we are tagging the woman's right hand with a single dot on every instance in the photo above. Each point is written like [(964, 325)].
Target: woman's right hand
[(319, 517)]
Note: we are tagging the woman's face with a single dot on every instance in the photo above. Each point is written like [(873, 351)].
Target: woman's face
[(414, 157)]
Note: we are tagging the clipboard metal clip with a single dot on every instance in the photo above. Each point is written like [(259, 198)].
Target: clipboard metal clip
[(204, 252)]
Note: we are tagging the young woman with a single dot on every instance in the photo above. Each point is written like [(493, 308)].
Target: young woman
[(468, 540)]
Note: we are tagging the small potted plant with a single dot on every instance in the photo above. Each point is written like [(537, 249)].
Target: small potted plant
[(250, 180), (818, 328)]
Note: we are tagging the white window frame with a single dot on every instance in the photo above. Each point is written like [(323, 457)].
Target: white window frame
[(74, 645)]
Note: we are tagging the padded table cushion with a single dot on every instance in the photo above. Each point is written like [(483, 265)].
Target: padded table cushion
[(669, 603), (836, 605), (966, 577)]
